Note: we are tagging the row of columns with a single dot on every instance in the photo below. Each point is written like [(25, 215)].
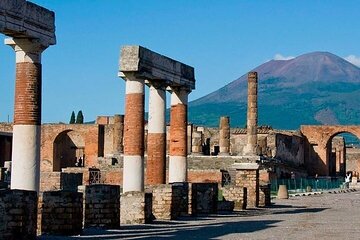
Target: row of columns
[(133, 171), (25, 170)]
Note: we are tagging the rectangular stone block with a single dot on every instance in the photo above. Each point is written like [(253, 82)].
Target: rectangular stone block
[(18, 214), (20, 18), (100, 199), (136, 208), (60, 213), (153, 66)]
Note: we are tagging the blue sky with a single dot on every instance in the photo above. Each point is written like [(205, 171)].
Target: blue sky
[(222, 40)]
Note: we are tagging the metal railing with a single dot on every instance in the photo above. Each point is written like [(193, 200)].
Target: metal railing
[(304, 184)]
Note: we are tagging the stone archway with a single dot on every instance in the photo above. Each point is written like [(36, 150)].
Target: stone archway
[(318, 147), (68, 147)]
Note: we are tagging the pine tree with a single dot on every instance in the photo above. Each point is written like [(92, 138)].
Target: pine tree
[(72, 118), (80, 118)]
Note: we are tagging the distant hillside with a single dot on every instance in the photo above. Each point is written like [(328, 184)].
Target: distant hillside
[(314, 88)]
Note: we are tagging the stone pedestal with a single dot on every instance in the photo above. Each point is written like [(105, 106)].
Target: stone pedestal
[(18, 214), (282, 192), (60, 213), (136, 208), (237, 195), (170, 201), (247, 175), (102, 206)]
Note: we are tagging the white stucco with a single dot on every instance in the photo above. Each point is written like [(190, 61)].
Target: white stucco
[(134, 86), (179, 97), (177, 169), (26, 50), (25, 168), (133, 173), (157, 105)]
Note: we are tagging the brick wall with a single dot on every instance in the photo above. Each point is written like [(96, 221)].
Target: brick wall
[(170, 201), (60, 213), (238, 195), (250, 180), (102, 206), (18, 214)]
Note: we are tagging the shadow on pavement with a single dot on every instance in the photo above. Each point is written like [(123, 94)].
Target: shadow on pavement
[(184, 231)]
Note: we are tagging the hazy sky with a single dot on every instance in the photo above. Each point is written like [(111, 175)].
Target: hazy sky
[(222, 40)]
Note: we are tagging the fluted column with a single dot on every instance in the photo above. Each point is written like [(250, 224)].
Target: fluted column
[(224, 135), (25, 170), (133, 171), (156, 141), (178, 136), (252, 118)]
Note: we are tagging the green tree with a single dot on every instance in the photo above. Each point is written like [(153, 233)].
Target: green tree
[(80, 118), (72, 118)]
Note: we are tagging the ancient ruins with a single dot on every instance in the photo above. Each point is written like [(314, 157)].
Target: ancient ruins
[(137, 66), (32, 30), (123, 169)]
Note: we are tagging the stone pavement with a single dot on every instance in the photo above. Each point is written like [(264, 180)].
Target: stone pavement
[(326, 216)]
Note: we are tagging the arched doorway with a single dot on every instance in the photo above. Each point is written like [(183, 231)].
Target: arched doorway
[(68, 148), (343, 154)]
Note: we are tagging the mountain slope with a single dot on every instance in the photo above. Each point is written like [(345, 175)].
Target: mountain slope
[(313, 88)]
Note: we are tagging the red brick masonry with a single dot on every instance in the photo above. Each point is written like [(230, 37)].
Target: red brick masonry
[(178, 130), (134, 125), (28, 94), (156, 160)]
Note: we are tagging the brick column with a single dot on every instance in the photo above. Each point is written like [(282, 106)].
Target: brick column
[(156, 138), (25, 172), (247, 175), (133, 171), (252, 118), (224, 140), (118, 134), (178, 136)]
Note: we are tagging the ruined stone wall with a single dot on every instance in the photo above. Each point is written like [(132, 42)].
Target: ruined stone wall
[(108, 140), (203, 176), (83, 134), (289, 148), (18, 214), (102, 206), (60, 213), (353, 160), (6, 127), (50, 181), (136, 208), (236, 194), (169, 201)]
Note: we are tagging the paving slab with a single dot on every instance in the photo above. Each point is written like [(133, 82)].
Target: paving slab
[(334, 215)]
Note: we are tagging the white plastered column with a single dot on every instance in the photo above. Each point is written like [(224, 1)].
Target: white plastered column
[(157, 107), (178, 158), (133, 171), (25, 167)]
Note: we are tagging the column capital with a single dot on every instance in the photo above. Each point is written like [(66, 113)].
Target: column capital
[(178, 89), (26, 50), (156, 84)]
